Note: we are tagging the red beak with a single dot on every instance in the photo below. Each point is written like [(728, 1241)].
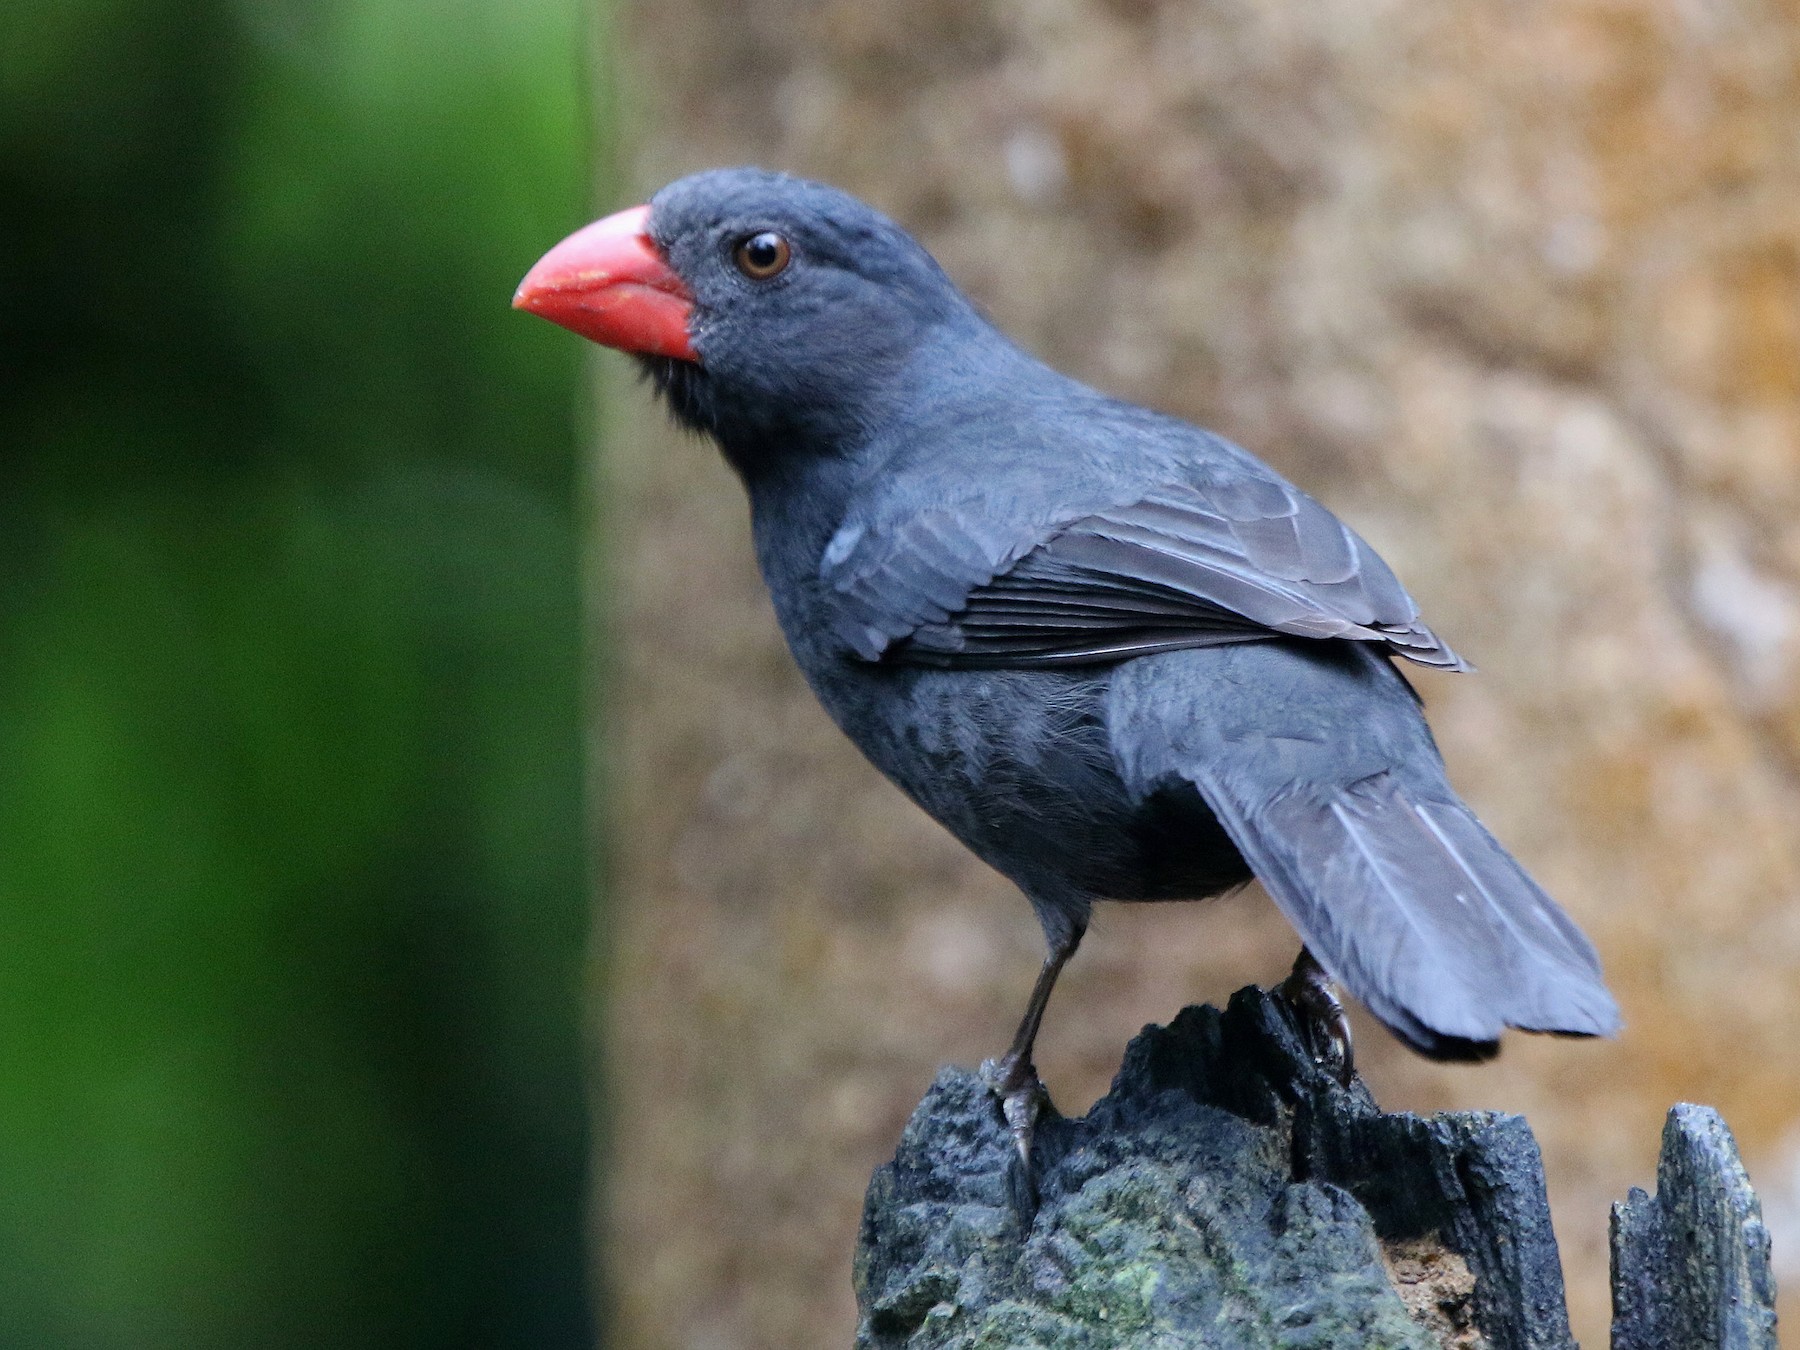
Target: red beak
[(609, 283)]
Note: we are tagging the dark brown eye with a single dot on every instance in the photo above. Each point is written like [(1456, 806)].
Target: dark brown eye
[(762, 256)]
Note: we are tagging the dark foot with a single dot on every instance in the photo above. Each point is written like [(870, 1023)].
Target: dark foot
[(1023, 1100), (1308, 990)]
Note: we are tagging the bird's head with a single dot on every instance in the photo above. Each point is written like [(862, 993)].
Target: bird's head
[(775, 314)]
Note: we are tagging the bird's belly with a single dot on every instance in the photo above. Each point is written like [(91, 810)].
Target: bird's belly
[(1018, 765)]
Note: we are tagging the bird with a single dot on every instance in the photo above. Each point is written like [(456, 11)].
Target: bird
[(1116, 655)]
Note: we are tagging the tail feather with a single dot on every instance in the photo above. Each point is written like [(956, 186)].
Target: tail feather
[(1410, 903)]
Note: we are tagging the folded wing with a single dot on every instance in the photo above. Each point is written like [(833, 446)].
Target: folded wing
[(1245, 559)]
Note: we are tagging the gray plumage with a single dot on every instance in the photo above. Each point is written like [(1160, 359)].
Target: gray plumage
[(1116, 655)]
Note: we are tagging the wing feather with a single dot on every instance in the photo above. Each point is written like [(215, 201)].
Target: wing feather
[(1246, 558)]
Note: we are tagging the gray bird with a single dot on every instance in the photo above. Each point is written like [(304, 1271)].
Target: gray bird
[(1116, 655)]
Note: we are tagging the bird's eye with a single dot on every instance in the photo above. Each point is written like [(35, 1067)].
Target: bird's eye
[(762, 255)]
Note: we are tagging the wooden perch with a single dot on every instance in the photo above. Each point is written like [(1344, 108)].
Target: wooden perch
[(1229, 1193)]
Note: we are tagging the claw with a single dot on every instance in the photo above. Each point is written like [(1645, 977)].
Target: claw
[(1023, 1099), (1023, 1102), (1308, 990)]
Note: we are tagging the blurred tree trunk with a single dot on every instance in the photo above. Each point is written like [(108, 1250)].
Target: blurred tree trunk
[(1514, 287)]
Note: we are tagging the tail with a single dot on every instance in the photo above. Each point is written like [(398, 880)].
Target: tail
[(1411, 905)]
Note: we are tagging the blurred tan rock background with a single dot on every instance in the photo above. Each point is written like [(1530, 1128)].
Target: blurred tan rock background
[(1514, 286)]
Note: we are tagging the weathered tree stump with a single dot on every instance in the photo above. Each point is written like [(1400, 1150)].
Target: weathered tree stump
[(1229, 1193), (1690, 1265)]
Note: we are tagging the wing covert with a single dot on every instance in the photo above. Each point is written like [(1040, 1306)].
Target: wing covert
[(1246, 559)]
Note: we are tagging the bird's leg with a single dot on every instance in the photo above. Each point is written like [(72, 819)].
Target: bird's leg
[(1308, 989), (1013, 1077)]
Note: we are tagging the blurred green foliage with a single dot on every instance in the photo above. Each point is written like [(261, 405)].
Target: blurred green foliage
[(291, 870)]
